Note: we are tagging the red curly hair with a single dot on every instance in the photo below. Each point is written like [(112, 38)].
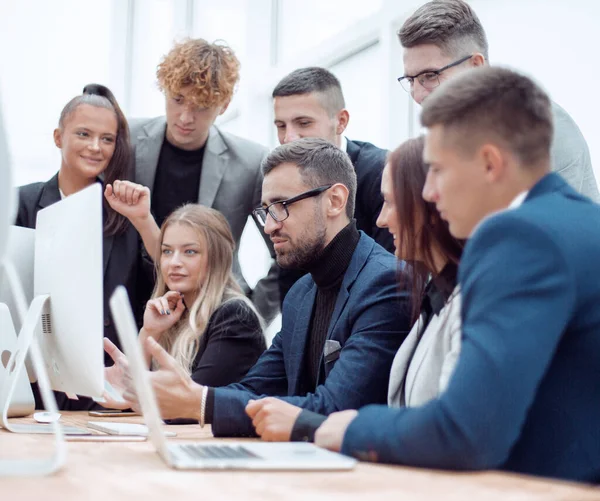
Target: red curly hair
[(210, 70)]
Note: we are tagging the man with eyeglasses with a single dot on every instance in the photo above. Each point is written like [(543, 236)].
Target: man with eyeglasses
[(341, 324), (442, 39)]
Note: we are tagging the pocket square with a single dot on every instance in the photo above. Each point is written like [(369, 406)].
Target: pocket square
[(332, 350)]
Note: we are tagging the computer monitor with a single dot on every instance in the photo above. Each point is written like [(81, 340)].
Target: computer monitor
[(20, 251), (19, 259), (66, 307), (8, 200), (69, 269), (16, 361)]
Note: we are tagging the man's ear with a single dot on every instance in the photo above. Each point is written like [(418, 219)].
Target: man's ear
[(477, 60), (338, 198), (342, 119), (224, 107), (58, 138), (495, 163)]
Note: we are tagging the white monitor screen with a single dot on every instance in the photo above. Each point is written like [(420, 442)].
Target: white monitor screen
[(68, 267), (20, 252)]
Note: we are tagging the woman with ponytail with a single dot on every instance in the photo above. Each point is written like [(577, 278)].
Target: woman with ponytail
[(93, 137)]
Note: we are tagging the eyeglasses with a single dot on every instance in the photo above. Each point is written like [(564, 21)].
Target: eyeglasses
[(279, 210), (429, 79)]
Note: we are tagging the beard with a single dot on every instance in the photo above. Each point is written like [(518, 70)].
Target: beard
[(306, 248)]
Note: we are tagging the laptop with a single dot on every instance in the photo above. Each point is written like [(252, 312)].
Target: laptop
[(211, 455)]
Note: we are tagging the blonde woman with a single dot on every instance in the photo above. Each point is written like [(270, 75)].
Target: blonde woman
[(197, 312)]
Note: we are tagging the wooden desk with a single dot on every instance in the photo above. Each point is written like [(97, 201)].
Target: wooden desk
[(126, 471)]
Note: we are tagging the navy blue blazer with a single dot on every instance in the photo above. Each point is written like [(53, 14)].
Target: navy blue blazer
[(368, 161), (525, 394), (370, 320)]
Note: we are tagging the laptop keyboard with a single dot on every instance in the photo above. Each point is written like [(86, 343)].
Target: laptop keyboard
[(201, 451)]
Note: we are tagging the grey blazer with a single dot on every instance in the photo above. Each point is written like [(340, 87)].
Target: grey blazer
[(570, 155), (421, 372), (231, 182)]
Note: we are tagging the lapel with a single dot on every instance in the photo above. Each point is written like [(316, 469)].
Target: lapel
[(353, 150), (50, 193), (107, 240), (214, 163), (396, 394), (438, 325), (107, 245), (147, 151), (300, 336), (418, 356), (358, 261)]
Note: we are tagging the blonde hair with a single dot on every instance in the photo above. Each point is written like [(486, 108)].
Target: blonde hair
[(218, 286), (210, 70)]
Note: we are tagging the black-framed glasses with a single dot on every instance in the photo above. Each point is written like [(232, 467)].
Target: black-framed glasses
[(279, 210), (429, 79)]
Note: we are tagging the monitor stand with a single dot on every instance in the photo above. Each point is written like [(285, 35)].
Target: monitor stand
[(27, 343)]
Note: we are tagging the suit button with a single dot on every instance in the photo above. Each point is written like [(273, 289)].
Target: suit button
[(106, 322)]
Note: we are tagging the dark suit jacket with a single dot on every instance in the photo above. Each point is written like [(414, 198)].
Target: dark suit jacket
[(525, 394), (231, 344), (120, 252), (368, 161), (369, 322)]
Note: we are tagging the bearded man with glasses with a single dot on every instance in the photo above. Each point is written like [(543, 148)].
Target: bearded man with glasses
[(442, 39), (342, 323)]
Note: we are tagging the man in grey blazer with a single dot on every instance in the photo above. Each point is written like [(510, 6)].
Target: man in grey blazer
[(445, 37), (183, 157)]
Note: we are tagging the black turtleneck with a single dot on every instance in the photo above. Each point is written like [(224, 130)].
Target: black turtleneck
[(327, 270)]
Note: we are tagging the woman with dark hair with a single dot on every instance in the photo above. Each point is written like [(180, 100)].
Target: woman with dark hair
[(426, 359), (93, 137)]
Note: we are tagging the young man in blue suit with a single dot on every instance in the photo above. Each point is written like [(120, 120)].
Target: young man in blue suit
[(341, 324), (525, 394)]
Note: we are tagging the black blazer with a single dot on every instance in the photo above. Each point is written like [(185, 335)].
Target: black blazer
[(368, 161), (120, 252), (231, 344)]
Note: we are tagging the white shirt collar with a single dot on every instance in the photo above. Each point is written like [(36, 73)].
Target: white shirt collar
[(344, 144), (518, 200)]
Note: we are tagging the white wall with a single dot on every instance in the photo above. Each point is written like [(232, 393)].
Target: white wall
[(48, 52), (556, 43)]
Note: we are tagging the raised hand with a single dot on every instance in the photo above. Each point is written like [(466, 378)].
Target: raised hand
[(177, 395), (162, 313), (118, 377), (129, 199)]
